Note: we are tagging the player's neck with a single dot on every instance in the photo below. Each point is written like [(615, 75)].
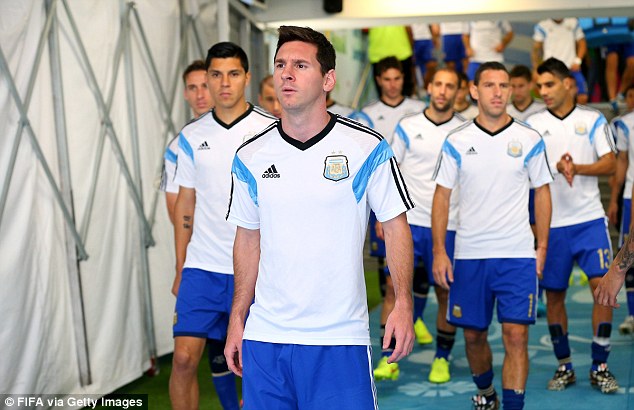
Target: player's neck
[(461, 106), (230, 114), (438, 117), (523, 105), (493, 124), (305, 124), (392, 102), (564, 109)]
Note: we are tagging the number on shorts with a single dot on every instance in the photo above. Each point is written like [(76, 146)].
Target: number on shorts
[(604, 258)]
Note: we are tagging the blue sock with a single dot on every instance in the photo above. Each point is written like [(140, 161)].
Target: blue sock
[(561, 346), (484, 382), (601, 345), (226, 390), (444, 343), (512, 399), (419, 306)]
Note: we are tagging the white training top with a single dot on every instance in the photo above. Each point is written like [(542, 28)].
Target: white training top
[(416, 144), (470, 112), (169, 168), (205, 152), (532, 108), (560, 40), (494, 172), (340, 109), (484, 36), (421, 31), (623, 128), (584, 134), (311, 203), (383, 117), (452, 28)]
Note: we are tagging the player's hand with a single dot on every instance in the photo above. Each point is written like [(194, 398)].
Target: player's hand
[(613, 213), (378, 228), (442, 270), (575, 67), (233, 347), (567, 168), (399, 326), (540, 261), (499, 48), (469, 52), (608, 287)]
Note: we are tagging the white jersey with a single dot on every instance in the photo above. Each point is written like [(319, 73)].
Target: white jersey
[(494, 172), (453, 28), (533, 107), (559, 40), (484, 36), (169, 168), (421, 31), (342, 110), (416, 146), (470, 112), (383, 117), (205, 152), (311, 203), (623, 128), (584, 134)]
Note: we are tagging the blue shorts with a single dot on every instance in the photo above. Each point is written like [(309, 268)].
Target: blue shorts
[(290, 377), (203, 304), (478, 283), (471, 70), (423, 246), (423, 51), (626, 217), (377, 246), (582, 86), (624, 50), (586, 243), (453, 48)]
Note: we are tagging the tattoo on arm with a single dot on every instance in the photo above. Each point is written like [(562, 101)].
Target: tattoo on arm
[(625, 258), (187, 226), (187, 219)]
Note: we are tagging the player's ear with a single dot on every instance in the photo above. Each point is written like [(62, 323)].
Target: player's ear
[(473, 91), (330, 79), (248, 77)]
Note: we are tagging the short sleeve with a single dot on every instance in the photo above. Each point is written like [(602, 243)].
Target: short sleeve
[(185, 165), (400, 144), (601, 137), (536, 163), (448, 166), (622, 134), (169, 168), (578, 31), (243, 204), (539, 34)]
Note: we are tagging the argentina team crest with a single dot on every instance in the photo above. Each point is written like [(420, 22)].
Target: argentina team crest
[(514, 149), (336, 167)]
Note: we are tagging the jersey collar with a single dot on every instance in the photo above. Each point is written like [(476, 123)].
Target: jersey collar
[(493, 134), (313, 140), (237, 120)]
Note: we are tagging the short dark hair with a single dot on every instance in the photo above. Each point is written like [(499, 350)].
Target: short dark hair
[(554, 67), (447, 70), (227, 49), (489, 65), (387, 63), (521, 71), (326, 56), (462, 77), (196, 65), (268, 80)]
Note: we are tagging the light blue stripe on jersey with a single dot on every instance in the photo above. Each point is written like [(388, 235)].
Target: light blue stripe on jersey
[(620, 125), (184, 145), (537, 149), (452, 152), (599, 122), (360, 115), (170, 156), (401, 133), (243, 174), (379, 155), (541, 30)]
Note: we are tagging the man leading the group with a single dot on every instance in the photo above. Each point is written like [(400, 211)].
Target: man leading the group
[(302, 192), (204, 239), (581, 147), (493, 160)]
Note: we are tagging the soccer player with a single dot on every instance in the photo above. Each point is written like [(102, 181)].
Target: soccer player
[(486, 41), (301, 195), (383, 115), (462, 105), (623, 129), (416, 144), (204, 239), (562, 39), (493, 160), (523, 104), (581, 147), (197, 96), (267, 98)]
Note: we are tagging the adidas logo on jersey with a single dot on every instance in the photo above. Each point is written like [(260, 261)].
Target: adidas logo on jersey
[(546, 133), (418, 137), (472, 151), (271, 172), (204, 145)]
